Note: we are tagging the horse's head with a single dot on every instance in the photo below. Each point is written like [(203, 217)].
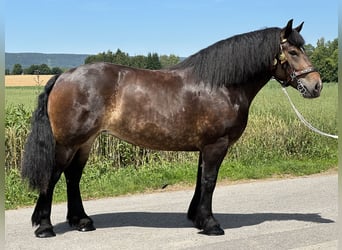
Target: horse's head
[(292, 65)]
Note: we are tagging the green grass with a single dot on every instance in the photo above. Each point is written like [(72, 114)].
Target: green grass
[(275, 143), (104, 181), (27, 96)]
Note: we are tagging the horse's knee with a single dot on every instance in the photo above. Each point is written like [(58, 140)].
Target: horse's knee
[(209, 183)]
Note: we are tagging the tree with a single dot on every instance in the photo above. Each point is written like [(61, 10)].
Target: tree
[(90, 59), (56, 71), (138, 62), (17, 69), (121, 58), (325, 58), (31, 70), (153, 61), (44, 69), (168, 61)]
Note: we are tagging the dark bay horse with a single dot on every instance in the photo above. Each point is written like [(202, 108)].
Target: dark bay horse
[(201, 104)]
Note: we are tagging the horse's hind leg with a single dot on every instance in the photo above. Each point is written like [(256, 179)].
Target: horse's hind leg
[(76, 215), (200, 210), (42, 211)]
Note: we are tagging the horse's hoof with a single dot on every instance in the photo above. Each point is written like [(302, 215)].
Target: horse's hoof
[(214, 231), (86, 225), (46, 232)]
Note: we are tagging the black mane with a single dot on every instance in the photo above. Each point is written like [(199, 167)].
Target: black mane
[(237, 59)]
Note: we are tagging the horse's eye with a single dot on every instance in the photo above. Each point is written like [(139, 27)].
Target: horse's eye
[(293, 53)]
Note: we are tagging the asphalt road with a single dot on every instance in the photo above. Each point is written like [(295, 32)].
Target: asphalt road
[(299, 213)]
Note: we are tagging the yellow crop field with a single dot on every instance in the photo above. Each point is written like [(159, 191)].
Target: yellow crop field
[(26, 80)]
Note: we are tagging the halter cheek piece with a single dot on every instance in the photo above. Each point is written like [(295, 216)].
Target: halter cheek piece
[(293, 74)]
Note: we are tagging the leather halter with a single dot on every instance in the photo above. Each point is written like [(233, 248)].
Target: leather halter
[(293, 75)]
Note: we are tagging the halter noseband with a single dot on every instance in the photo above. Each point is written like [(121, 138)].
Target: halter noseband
[(293, 74)]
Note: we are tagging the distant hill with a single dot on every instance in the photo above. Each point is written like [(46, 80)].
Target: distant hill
[(52, 60)]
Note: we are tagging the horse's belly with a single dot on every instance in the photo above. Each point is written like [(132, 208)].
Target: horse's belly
[(177, 131), (155, 136)]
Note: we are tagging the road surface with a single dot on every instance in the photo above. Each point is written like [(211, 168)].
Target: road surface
[(298, 213)]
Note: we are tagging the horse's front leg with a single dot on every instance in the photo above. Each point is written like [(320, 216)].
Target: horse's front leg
[(212, 157), (192, 211)]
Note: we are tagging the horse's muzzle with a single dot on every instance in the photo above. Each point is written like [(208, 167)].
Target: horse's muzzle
[(308, 92)]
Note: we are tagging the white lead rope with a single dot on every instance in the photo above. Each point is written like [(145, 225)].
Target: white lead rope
[(305, 121)]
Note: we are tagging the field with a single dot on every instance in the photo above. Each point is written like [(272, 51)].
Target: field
[(274, 144), (23, 89), (26, 80)]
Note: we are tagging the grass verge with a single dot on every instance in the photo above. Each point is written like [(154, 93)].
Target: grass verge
[(104, 181)]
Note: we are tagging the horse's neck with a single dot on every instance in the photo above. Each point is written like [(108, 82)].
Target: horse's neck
[(253, 87)]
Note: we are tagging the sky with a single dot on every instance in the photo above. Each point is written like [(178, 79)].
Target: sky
[(180, 27)]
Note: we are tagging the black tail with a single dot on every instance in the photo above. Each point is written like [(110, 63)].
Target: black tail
[(39, 152)]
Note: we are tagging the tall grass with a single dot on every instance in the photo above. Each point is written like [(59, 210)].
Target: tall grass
[(274, 142), (274, 130)]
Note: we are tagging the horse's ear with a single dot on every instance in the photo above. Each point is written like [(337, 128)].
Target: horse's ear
[(299, 28), (285, 33)]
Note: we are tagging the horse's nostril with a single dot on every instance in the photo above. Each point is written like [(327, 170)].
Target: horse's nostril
[(317, 89)]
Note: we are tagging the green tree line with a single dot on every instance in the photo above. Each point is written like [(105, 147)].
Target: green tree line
[(151, 61), (34, 69)]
